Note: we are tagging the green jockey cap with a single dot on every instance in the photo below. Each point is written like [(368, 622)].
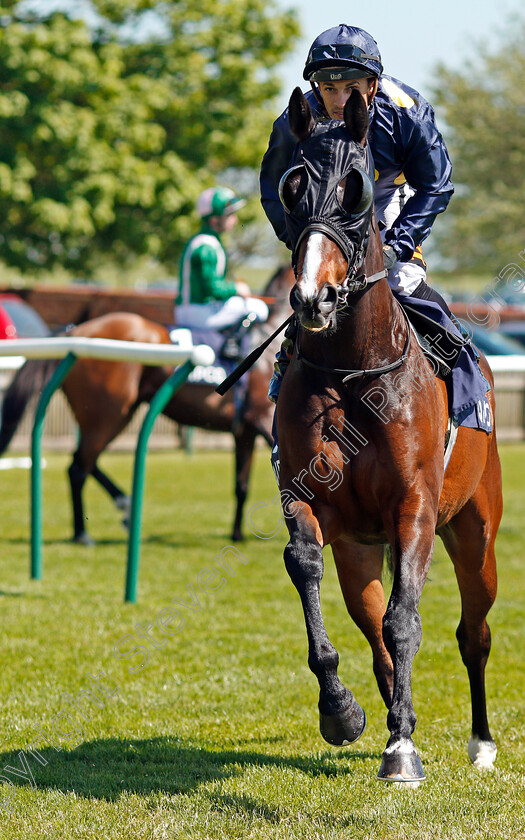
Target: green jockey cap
[(218, 201)]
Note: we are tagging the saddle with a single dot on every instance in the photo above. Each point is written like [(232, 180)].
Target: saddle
[(229, 345), (234, 344)]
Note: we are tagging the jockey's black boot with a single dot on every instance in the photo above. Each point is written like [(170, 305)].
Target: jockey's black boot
[(426, 292), (282, 360), (441, 338)]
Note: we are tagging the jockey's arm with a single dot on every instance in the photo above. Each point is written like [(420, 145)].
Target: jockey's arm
[(207, 283), (275, 162), (427, 169)]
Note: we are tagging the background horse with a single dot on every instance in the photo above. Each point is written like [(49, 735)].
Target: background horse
[(358, 479), (105, 395)]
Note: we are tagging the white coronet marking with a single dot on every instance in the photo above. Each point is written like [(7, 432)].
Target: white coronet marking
[(482, 753), (404, 746), (311, 266)]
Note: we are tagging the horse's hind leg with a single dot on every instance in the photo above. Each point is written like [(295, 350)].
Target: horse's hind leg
[(77, 478), (359, 568), (469, 539), (122, 501), (341, 718), (244, 448), (84, 463)]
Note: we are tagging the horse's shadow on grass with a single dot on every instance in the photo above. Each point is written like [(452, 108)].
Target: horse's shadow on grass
[(105, 769)]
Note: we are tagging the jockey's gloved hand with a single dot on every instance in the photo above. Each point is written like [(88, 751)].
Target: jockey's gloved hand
[(389, 256)]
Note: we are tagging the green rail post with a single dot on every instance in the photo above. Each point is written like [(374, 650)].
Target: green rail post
[(36, 460), (158, 403)]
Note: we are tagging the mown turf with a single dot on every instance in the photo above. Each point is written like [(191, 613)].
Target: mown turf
[(216, 735)]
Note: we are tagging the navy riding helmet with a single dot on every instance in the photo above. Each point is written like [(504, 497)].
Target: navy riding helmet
[(351, 50)]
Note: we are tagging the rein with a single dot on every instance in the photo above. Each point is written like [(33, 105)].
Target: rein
[(353, 374)]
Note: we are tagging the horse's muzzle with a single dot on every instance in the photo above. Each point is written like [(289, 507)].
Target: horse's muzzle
[(315, 312)]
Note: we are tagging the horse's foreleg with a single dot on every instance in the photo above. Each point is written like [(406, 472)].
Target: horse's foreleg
[(341, 718), (122, 501), (413, 544), (244, 448), (77, 478)]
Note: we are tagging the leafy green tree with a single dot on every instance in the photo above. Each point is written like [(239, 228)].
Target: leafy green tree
[(484, 109), (110, 128)]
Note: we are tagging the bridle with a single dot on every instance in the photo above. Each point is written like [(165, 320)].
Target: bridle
[(352, 284)]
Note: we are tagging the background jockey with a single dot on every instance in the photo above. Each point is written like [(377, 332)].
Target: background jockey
[(412, 166), (207, 299)]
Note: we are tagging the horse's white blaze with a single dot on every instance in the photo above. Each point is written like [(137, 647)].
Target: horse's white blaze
[(311, 266), (482, 753)]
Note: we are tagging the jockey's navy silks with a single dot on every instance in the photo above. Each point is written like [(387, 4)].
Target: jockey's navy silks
[(405, 145)]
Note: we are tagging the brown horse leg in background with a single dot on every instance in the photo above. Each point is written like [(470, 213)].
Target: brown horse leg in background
[(104, 397), (257, 417)]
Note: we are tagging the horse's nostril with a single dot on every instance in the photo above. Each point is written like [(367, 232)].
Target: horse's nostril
[(327, 298), (328, 294), (296, 298)]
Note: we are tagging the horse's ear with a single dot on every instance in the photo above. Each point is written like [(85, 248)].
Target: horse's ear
[(300, 114), (356, 117)]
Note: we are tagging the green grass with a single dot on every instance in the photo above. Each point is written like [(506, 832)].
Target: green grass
[(216, 736)]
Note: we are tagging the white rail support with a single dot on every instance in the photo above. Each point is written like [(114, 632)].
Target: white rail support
[(108, 349), (507, 364)]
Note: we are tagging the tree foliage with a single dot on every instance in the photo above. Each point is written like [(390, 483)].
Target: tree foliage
[(111, 128), (484, 109)]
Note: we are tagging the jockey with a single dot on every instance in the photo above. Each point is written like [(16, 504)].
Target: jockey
[(207, 299), (412, 166)]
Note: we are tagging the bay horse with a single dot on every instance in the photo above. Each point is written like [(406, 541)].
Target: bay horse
[(104, 396), (350, 478)]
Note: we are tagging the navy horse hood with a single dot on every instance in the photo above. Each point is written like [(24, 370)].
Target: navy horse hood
[(329, 189)]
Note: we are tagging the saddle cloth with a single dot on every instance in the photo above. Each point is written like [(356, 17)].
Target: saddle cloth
[(210, 375), (440, 339)]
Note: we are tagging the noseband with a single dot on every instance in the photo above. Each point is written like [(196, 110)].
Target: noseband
[(352, 284)]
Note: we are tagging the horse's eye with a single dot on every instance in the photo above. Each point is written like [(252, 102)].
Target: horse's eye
[(292, 187), (355, 192)]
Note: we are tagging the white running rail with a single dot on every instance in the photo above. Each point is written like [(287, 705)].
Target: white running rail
[(105, 348)]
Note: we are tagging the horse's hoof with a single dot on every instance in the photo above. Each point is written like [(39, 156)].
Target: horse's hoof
[(125, 523), (482, 753), (84, 539), (401, 763), (343, 728), (123, 503)]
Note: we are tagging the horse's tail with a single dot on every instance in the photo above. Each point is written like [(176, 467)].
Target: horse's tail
[(30, 379)]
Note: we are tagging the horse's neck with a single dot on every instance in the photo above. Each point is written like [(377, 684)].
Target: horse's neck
[(278, 288), (369, 332)]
